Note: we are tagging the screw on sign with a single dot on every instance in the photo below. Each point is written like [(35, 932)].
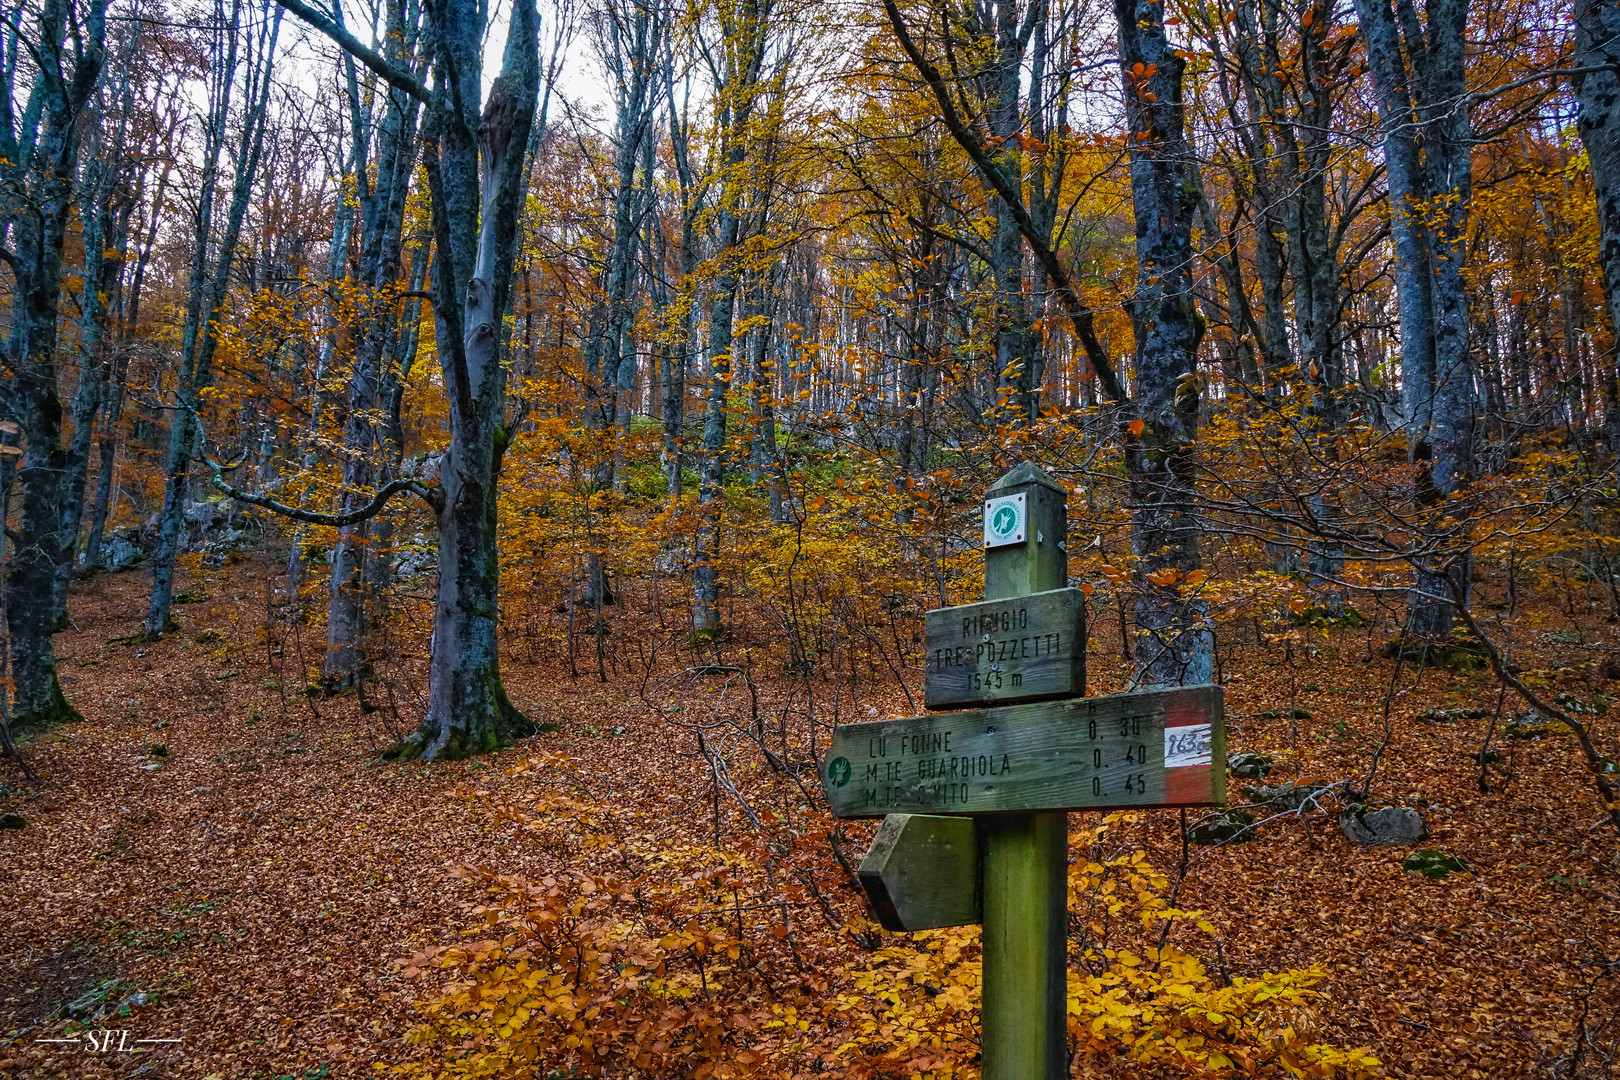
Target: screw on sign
[(975, 799)]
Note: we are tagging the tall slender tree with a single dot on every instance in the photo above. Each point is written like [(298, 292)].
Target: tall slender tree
[(1419, 79), (737, 67), (243, 51), (382, 213), (39, 152), (1597, 84), (473, 154)]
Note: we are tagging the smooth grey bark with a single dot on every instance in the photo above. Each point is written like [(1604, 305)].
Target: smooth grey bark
[(1289, 79), (680, 325), (1174, 644), (128, 303), (1597, 57), (630, 38), (1417, 69), (39, 151), (382, 214), (337, 272), (403, 353), (211, 262), (633, 50), (106, 205), (477, 184), (473, 155), (1014, 360), (738, 75), (763, 460)]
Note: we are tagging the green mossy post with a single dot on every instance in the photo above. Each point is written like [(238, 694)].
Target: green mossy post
[(1025, 867)]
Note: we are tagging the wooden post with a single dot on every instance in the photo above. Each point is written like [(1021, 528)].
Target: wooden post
[(1025, 867)]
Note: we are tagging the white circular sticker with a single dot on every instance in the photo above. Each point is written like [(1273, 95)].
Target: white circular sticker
[(1004, 520)]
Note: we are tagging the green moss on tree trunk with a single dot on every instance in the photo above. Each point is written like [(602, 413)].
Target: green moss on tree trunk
[(57, 710)]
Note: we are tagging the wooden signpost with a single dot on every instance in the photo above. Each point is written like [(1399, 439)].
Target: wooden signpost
[(975, 801)]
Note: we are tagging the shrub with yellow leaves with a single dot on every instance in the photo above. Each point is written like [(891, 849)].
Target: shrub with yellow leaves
[(654, 974), (915, 1005)]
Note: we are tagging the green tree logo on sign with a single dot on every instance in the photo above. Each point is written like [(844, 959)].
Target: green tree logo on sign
[(1004, 521)]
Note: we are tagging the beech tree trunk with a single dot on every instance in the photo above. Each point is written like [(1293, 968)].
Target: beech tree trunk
[(1597, 55), (129, 308), (1418, 81), (210, 276), (476, 186), (1173, 645), (382, 206), (37, 194), (745, 28)]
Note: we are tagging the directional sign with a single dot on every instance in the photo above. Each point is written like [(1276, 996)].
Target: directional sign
[(1021, 649), (922, 872), (1155, 748)]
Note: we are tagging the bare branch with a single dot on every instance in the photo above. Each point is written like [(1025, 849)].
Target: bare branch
[(397, 77), (1080, 315), (432, 497)]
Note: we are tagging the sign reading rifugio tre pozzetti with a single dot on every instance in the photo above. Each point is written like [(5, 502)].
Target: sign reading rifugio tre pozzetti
[(1021, 649)]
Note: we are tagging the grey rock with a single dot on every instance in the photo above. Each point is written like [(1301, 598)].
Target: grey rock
[(1388, 826), (1225, 827), (1282, 797), (1249, 766), (674, 561), (133, 1001), (119, 553), (152, 766), (82, 1008), (414, 562), (207, 514)]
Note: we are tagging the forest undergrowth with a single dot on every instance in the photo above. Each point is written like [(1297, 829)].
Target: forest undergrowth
[(651, 885)]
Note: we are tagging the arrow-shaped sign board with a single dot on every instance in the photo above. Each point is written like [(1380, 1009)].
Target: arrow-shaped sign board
[(1154, 748), (922, 872)]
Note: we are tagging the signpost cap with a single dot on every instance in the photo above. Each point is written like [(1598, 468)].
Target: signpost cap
[(1024, 475)]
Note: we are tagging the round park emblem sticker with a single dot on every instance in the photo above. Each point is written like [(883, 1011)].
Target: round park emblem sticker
[(1004, 521), (838, 771)]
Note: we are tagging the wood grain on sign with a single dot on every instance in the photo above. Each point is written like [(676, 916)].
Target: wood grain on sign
[(922, 872), (1154, 748), (1025, 648)]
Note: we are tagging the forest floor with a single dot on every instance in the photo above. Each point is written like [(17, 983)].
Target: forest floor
[(261, 879)]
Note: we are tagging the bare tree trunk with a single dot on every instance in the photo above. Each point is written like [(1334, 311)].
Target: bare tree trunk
[(677, 360), (744, 28), (1174, 645), (129, 313), (38, 177), (382, 216), (1418, 79), (1597, 42), (210, 275)]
